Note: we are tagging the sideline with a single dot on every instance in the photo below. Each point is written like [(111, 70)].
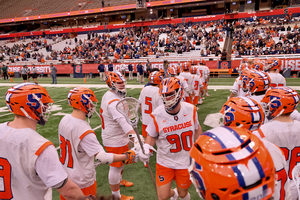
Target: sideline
[(210, 87)]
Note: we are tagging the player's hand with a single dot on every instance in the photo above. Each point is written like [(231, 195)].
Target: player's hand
[(145, 157), (132, 157)]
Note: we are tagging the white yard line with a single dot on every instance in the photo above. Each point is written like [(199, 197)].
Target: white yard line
[(6, 114)]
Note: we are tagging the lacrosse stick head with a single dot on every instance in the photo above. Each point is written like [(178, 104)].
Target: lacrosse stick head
[(129, 107)]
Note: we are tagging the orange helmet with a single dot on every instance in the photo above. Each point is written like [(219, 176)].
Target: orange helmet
[(272, 64), (243, 112), (29, 100), (83, 99), (193, 70), (258, 81), (244, 77), (202, 61), (178, 69), (193, 62), (258, 66), (186, 66), (172, 71), (280, 100), (243, 66), (162, 72), (116, 82), (155, 77), (231, 163), (245, 60), (171, 92)]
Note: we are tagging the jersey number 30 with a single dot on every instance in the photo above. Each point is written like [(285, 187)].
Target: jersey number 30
[(5, 178)]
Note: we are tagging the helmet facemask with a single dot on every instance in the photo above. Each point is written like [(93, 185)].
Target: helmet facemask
[(119, 88), (45, 111), (90, 107), (172, 99)]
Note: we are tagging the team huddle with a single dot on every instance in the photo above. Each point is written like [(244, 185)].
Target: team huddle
[(252, 155)]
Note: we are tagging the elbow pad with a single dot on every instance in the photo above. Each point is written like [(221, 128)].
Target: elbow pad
[(105, 158)]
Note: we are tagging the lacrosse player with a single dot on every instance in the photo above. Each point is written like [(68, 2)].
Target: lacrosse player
[(187, 76), (29, 166), (115, 130), (283, 130), (79, 144), (173, 128)]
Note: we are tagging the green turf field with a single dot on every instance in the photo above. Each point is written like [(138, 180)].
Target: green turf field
[(137, 173)]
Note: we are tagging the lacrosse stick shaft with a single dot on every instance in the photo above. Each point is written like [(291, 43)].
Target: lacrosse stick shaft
[(143, 150)]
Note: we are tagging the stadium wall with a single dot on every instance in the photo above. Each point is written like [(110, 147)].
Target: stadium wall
[(293, 63)]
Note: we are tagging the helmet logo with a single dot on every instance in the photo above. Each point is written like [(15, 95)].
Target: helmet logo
[(229, 116), (275, 102), (34, 102), (84, 100)]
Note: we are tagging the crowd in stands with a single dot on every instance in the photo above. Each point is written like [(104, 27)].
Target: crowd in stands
[(138, 42), (266, 40)]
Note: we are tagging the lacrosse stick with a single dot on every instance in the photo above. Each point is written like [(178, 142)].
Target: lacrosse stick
[(129, 107)]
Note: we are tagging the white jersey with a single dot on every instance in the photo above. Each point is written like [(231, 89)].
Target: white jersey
[(282, 189), (188, 77), (277, 80), (77, 161), (149, 100), (285, 135), (20, 152), (202, 73), (175, 135), (295, 115), (197, 84), (184, 84), (206, 73), (113, 134), (237, 88)]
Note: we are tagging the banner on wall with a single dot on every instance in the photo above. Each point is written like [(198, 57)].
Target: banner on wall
[(77, 70), (224, 64), (292, 63)]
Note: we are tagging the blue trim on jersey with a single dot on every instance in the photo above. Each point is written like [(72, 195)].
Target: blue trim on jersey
[(234, 133), (246, 196), (239, 176), (215, 138), (259, 167), (265, 190)]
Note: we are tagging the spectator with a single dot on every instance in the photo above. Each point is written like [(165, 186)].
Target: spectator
[(4, 71), (140, 72), (101, 70), (110, 67), (53, 71), (130, 69), (224, 55), (166, 65), (148, 67), (123, 68)]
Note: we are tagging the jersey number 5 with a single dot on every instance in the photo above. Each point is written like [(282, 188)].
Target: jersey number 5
[(65, 147), (148, 101), (184, 141), (5, 178)]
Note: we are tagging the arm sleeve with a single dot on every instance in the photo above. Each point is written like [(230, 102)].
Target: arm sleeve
[(118, 117), (90, 144), (151, 129), (48, 167)]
